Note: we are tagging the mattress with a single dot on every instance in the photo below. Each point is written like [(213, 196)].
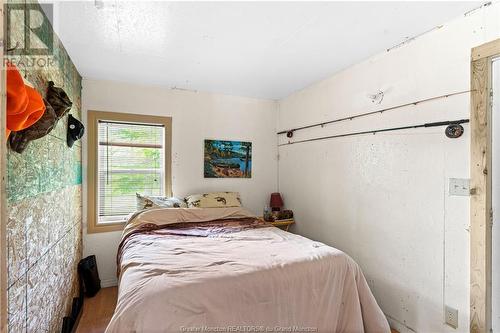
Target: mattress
[(224, 270)]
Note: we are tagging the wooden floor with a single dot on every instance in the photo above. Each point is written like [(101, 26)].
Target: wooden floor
[(97, 311)]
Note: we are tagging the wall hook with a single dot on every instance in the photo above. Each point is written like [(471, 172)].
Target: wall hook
[(14, 48), (377, 98)]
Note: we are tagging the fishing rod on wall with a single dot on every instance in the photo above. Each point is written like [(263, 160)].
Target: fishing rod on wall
[(454, 128)]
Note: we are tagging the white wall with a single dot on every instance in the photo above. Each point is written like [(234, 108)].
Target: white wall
[(195, 117), (384, 198)]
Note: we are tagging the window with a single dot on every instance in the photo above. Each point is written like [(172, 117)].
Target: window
[(130, 160), (127, 154)]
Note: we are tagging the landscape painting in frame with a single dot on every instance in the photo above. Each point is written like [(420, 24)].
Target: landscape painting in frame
[(228, 159)]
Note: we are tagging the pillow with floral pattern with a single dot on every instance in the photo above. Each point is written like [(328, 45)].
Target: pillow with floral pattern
[(148, 201), (214, 200)]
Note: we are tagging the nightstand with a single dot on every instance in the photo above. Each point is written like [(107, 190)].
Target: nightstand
[(283, 224)]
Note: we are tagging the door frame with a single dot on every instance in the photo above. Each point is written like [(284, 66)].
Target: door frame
[(480, 185), (3, 178)]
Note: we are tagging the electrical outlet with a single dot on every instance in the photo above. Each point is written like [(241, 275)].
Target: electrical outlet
[(451, 316)]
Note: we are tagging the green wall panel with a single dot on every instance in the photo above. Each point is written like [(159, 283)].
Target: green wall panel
[(45, 205), (46, 165)]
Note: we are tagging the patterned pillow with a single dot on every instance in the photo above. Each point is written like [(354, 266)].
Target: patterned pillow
[(147, 201), (214, 200)]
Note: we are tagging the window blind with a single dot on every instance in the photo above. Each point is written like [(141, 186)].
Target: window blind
[(130, 160)]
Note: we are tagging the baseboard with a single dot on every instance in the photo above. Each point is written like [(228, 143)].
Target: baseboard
[(397, 325), (109, 283)]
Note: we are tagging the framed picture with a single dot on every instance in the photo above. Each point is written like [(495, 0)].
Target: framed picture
[(227, 159)]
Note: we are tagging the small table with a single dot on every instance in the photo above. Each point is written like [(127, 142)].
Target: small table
[(283, 224)]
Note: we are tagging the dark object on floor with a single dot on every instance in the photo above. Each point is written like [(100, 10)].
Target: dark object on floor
[(59, 100), (19, 140), (70, 323), (75, 130), (454, 131), (67, 325), (87, 268)]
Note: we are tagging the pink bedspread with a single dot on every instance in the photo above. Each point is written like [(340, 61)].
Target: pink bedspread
[(223, 270)]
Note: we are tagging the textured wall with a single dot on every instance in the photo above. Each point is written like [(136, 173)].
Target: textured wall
[(384, 199), (45, 206)]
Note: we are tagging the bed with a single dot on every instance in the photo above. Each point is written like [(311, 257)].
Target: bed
[(224, 270)]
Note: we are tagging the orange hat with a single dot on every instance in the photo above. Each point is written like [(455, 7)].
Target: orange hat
[(24, 104)]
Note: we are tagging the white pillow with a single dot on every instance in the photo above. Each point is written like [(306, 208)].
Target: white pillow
[(148, 201)]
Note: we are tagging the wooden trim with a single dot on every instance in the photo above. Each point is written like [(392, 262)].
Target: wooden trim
[(93, 118), (3, 181), (486, 50), (480, 201)]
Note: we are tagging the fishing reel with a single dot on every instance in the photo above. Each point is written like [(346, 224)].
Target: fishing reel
[(454, 131)]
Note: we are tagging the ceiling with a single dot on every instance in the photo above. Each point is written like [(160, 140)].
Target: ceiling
[(256, 49)]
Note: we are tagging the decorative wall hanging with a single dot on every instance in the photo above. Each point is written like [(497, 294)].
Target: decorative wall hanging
[(75, 130), (227, 159)]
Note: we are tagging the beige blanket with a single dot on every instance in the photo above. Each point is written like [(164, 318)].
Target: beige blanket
[(222, 270)]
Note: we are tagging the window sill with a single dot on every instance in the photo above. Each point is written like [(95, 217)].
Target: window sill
[(105, 227)]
